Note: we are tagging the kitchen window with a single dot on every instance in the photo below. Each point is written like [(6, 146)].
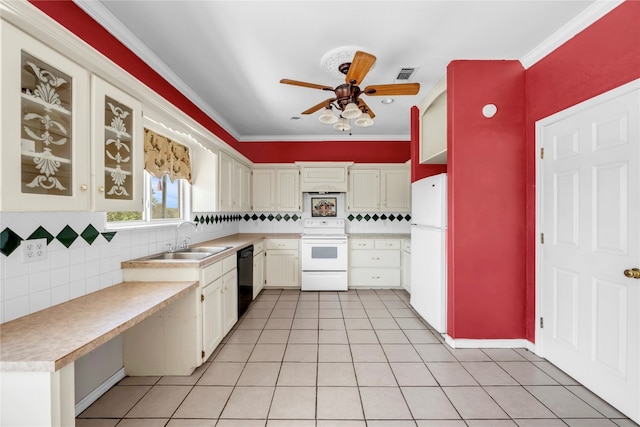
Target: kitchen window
[(167, 178), (164, 201)]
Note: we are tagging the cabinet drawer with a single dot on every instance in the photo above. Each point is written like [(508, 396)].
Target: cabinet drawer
[(229, 263), (406, 246), (372, 277), (361, 243), (211, 273), (282, 244), (387, 244), (258, 247), (374, 258)]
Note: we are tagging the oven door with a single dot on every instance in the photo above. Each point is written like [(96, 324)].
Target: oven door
[(324, 254)]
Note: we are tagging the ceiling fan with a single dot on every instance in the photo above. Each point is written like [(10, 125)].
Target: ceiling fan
[(347, 96)]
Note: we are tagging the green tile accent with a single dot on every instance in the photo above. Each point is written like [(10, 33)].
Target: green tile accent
[(359, 217), (109, 235), (295, 217), (67, 236), (41, 233), (367, 217), (90, 234), (278, 217), (9, 241)]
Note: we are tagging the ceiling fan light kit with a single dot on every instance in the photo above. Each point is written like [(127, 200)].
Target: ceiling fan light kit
[(347, 95), (351, 111), (364, 121), (328, 117), (342, 125)]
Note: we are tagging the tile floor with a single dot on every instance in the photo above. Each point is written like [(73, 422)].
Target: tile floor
[(351, 359)]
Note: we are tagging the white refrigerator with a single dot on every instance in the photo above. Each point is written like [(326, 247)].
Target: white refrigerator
[(428, 250)]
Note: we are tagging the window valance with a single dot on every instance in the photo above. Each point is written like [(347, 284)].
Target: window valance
[(164, 156)]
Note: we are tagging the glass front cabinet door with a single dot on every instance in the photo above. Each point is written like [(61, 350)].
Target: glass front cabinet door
[(45, 127), (118, 149)]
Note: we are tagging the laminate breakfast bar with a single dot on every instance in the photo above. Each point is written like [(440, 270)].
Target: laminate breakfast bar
[(38, 351)]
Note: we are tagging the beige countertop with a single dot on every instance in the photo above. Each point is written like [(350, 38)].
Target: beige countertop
[(236, 241), (401, 236), (50, 339)]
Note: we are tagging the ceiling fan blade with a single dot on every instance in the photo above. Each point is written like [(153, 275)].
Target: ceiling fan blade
[(364, 104), (360, 66), (318, 106), (305, 84), (392, 89)]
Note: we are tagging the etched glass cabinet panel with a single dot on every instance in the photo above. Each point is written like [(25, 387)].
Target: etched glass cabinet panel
[(46, 139), (118, 149), (45, 127)]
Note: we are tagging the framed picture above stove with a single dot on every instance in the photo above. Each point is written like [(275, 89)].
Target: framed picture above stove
[(323, 206)]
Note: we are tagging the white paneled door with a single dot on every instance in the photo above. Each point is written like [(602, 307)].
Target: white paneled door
[(590, 217)]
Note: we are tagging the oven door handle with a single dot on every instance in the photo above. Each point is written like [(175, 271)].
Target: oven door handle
[(320, 242)]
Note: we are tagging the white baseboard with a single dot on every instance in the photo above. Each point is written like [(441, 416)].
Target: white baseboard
[(99, 391), (506, 343)]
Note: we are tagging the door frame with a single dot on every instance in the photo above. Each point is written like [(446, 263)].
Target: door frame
[(540, 124)]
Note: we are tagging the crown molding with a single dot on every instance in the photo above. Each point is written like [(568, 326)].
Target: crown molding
[(587, 17)]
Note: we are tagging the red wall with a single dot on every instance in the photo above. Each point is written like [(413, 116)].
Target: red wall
[(486, 230), (345, 151), (419, 171), (603, 56), (82, 25)]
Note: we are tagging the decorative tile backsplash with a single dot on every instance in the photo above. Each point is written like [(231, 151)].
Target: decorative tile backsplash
[(381, 217), (10, 241)]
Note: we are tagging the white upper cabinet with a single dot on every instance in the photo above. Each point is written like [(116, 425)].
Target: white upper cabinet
[(433, 125), (288, 195), (70, 141), (276, 188), (204, 174), (327, 177), (225, 182), (263, 189), (242, 187), (118, 149), (364, 190), (45, 148), (234, 185), (395, 190), (386, 188)]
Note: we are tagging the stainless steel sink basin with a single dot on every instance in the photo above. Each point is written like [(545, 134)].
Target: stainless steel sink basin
[(191, 256), (210, 249)]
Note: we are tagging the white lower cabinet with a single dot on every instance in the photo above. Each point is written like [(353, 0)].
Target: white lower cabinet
[(282, 268), (229, 294), (258, 268), (207, 316), (211, 325), (374, 263)]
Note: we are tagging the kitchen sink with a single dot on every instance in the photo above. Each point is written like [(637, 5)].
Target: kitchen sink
[(191, 256), (209, 249), (188, 254)]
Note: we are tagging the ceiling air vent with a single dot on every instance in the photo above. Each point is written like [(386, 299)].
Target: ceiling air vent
[(406, 73)]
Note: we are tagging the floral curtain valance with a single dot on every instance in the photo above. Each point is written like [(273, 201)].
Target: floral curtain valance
[(164, 156)]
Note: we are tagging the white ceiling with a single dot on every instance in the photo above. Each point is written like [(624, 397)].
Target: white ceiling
[(228, 56)]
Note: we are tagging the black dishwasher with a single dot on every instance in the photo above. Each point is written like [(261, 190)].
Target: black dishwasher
[(245, 279)]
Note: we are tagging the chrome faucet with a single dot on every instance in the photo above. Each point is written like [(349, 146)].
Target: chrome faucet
[(185, 242)]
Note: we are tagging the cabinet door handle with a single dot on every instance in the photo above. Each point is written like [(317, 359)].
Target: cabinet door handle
[(375, 259), (84, 187), (101, 189), (375, 277)]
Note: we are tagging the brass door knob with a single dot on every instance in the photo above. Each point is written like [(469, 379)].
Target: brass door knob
[(632, 273)]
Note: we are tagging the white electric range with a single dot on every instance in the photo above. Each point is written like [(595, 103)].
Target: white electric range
[(324, 255)]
